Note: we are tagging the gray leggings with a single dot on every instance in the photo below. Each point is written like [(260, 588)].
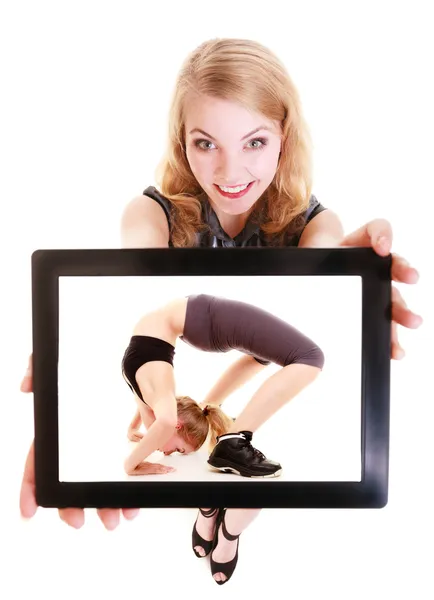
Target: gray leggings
[(215, 324)]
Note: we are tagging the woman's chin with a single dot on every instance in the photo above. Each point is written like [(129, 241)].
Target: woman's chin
[(234, 207)]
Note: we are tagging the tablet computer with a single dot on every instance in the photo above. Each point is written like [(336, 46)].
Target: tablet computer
[(331, 438)]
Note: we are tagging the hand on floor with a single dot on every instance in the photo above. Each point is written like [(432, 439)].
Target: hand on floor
[(148, 468)]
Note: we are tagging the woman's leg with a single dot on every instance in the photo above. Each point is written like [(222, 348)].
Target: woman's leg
[(236, 521), (234, 452), (270, 339), (273, 394), (205, 526)]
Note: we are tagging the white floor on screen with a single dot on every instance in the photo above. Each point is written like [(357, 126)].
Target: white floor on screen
[(314, 453)]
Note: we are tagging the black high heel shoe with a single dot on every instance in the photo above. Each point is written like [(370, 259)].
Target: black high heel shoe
[(197, 540), (229, 567)]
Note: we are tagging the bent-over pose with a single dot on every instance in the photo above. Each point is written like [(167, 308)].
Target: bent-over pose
[(214, 324)]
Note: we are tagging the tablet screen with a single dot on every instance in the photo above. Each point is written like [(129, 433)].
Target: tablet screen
[(315, 435)]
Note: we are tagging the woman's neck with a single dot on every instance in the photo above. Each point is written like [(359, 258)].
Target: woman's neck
[(232, 225)]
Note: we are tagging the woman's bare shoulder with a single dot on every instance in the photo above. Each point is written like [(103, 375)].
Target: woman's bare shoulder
[(145, 206), (144, 224)]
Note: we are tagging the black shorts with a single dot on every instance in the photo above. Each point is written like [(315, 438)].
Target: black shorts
[(215, 324), (143, 349)]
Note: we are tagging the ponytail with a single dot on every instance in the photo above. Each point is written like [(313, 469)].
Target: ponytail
[(219, 423), (198, 424)]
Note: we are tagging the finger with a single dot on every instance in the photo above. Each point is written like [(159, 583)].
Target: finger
[(397, 352), (130, 513), (381, 236), (26, 383), (74, 517), (28, 506), (401, 314), (110, 517), (402, 271)]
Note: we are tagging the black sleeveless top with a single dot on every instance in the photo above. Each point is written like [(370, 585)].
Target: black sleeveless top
[(215, 236)]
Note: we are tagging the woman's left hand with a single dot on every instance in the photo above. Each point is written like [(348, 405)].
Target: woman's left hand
[(378, 235), (134, 435)]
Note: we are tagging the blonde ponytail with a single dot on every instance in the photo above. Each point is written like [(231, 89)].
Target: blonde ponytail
[(198, 423), (219, 423)]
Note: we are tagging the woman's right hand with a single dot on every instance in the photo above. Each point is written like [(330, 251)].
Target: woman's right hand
[(148, 468), (74, 517)]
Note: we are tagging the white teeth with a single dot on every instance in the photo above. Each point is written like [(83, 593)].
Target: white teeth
[(233, 190)]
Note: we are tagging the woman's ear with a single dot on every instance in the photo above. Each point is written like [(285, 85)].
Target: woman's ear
[(178, 425)]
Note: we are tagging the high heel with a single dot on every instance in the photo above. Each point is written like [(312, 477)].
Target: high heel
[(229, 567), (197, 540)]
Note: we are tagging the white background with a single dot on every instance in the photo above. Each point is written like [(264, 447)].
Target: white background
[(315, 438), (85, 92)]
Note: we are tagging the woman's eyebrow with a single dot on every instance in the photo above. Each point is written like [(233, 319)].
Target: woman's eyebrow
[(243, 138)]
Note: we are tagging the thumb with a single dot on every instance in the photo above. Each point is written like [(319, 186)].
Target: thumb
[(26, 383), (28, 506), (380, 234)]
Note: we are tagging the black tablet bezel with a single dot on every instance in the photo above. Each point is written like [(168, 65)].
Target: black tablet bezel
[(375, 272)]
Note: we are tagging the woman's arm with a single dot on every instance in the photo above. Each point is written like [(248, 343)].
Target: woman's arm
[(157, 435), (133, 432), (136, 422), (324, 231), (233, 378), (165, 411), (144, 224), (146, 417)]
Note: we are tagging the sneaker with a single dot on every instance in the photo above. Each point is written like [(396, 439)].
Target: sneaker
[(234, 453)]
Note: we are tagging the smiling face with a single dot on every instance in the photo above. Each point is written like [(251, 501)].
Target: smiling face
[(232, 152)]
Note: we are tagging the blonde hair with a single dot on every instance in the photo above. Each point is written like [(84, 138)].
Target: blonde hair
[(197, 424), (246, 72)]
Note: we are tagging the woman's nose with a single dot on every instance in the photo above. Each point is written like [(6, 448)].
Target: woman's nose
[(229, 172)]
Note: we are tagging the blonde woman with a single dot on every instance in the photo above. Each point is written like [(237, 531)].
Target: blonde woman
[(236, 172)]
